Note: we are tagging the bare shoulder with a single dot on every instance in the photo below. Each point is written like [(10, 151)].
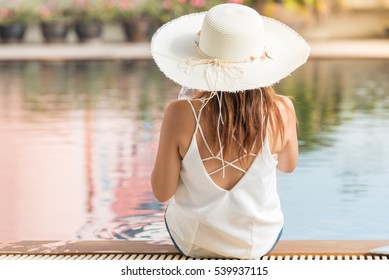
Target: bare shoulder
[(178, 117), (182, 108), (286, 104), (176, 110), (286, 107), (178, 106)]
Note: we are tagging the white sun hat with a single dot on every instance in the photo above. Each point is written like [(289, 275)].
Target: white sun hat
[(229, 48)]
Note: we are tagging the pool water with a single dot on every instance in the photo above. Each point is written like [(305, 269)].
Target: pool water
[(78, 142)]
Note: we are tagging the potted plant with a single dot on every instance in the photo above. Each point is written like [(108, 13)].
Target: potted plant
[(55, 21), (298, 13), (138, 18), (13, 22), (90, 15), (175, 8)]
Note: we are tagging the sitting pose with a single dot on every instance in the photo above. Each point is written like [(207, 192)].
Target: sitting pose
[(220, 147)]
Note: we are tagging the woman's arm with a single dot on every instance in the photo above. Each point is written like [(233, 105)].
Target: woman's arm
[(287, 158), (165, 175)]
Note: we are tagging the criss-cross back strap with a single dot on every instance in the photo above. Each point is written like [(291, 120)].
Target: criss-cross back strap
[(198, 128), (217, 156), (226, 163)]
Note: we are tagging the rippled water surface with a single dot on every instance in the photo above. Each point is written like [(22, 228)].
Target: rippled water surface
[(78, 141)]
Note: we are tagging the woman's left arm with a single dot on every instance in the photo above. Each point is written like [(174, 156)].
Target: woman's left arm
[(165, 175)]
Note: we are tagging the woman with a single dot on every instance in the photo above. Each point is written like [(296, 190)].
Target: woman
[(219, 150)]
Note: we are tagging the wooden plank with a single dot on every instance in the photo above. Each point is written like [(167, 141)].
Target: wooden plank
[(327, 247), (85, 247), (284, 247)]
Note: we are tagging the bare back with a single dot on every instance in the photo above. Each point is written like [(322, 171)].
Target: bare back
[(177, 130), (234, 167)]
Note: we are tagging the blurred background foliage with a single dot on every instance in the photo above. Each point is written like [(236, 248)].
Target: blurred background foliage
[(164, 10)]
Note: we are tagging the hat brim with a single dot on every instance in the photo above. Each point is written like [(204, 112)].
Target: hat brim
[(174, 43)]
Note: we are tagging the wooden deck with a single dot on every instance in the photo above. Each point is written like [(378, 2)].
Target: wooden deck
[(96, 249)]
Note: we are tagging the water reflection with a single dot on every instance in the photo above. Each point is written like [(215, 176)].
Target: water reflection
[(80, 140), (329, 93), (341, 184)]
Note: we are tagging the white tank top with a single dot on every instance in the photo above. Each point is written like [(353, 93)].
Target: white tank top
[(206, 221)]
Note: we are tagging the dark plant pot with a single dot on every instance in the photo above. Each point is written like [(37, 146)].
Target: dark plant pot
[(139, 30), (54, 32), (12, 33), (89, 31)]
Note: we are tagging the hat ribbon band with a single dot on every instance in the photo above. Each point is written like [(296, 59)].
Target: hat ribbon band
[(214, 70)]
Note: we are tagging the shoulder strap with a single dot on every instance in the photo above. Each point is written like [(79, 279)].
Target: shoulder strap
[(198, 127), (197, 118)]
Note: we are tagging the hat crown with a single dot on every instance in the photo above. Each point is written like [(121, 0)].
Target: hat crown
[(232, 32), (237, 49)]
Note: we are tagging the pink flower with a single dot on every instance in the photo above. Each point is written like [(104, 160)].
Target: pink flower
[(109, 3), (236, 1), (167, 4), (45, 12), (182, 1), (198, 3), (123, 4), (5, 13), (81, 3)]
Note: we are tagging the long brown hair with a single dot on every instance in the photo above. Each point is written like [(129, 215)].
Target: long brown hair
[(247, 116)]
